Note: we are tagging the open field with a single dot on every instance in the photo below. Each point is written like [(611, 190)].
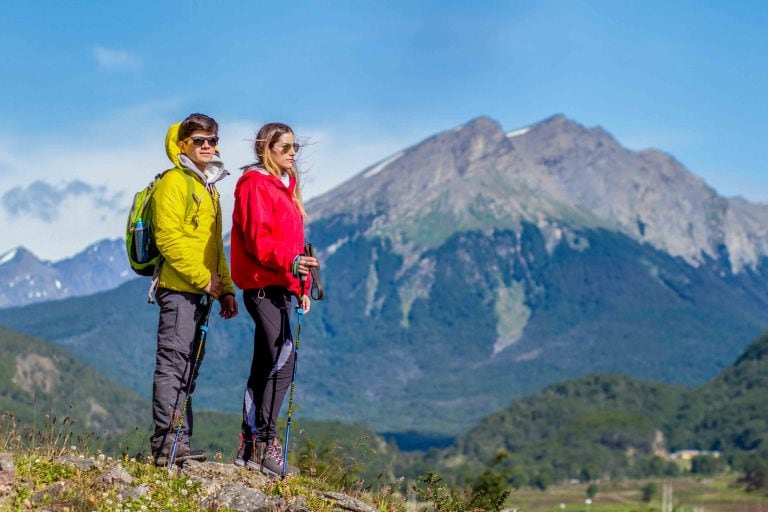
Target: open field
[(720, 494)]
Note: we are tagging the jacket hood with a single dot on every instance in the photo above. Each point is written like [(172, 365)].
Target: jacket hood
[(172, 144), (215, 168), (255, 171)]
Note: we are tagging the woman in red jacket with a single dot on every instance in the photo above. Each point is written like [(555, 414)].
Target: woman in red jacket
[(267, 243)]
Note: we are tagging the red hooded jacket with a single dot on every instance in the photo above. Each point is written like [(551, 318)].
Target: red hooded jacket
[(267, 233)]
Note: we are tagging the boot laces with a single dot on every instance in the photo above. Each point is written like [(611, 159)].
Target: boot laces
[(275, 452)]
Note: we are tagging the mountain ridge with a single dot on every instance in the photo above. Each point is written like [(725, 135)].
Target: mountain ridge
[(585, 178), (100, 266)]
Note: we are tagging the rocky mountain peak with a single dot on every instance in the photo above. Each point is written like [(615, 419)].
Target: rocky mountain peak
[(19, 256), (558, 135), (556, 172), (27, 279)]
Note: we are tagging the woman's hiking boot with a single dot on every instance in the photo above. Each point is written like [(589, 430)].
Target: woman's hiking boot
[(244, 452), (266, 457)]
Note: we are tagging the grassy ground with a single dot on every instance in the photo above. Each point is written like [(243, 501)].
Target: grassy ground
[(719, 494), (38, 477)]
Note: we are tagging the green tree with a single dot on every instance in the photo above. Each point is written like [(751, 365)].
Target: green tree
[(516, 477), (490, 490), (650, 490), (543, 478), (706, 465), (755, 474), (589, 472), (592, 491)]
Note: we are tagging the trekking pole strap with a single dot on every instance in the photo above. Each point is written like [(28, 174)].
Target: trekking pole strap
[(316, 291)]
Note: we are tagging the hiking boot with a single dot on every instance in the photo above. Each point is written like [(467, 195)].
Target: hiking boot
[(266, 457), (271, 461), (245, 453), (183, 452)]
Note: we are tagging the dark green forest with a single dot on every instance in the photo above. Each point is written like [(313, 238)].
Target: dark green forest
[(613, 426)]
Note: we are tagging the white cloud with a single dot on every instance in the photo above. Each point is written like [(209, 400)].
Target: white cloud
[(81, 221), (40, 200), (109, 59)]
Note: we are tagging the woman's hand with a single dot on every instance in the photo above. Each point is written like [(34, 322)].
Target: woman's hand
[(305, 303), (302, 265)]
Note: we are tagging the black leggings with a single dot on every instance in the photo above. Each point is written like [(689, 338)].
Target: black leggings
[(273, 360)]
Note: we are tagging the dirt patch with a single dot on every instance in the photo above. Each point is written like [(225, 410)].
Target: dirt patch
[(97, 415), (35, 372)]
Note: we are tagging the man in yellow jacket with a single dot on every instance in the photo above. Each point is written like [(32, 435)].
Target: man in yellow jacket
[(189, 237)]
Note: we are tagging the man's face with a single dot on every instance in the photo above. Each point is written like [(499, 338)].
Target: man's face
[(199, 147)]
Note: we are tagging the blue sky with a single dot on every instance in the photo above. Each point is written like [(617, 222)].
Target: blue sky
[(88, 88)]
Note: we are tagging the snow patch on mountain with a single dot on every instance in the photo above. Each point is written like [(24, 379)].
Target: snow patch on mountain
[(377, 168), (336, 245), (8, 256), (521, 131)]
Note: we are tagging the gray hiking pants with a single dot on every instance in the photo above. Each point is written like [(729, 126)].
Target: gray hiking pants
[(177, 337), (273, 360)]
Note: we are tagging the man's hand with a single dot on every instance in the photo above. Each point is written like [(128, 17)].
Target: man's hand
[(228, 306), (213, 288), (305, 304)]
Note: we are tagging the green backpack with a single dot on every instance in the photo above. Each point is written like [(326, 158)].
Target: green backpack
[(143, 254)]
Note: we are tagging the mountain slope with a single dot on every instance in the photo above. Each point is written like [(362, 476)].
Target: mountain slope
[(556, 174), (732, 415), (612, 426), (593, 427), (37, 379)]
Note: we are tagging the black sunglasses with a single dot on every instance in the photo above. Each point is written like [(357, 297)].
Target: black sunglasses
[(199, 141), (284, 148)]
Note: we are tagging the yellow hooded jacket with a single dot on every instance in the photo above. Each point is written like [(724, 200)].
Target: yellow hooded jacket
[(191, 242)]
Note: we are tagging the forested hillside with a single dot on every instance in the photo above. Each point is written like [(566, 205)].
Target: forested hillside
[(42, 386), (614, 426)]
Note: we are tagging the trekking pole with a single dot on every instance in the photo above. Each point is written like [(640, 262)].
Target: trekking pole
[(194, 368), (299, 315)]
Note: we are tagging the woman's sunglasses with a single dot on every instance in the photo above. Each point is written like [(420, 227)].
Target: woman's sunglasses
[(199, 141), (284, 148)]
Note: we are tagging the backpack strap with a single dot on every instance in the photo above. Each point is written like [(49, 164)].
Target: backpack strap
[(151, 293)]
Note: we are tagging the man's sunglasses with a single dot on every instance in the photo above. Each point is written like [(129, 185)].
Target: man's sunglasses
[(199, 141), (284, 148)]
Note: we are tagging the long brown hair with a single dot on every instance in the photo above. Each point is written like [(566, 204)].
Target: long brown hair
[(266, 137)]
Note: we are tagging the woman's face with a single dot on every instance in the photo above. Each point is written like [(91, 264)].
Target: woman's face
[(283, 152)]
